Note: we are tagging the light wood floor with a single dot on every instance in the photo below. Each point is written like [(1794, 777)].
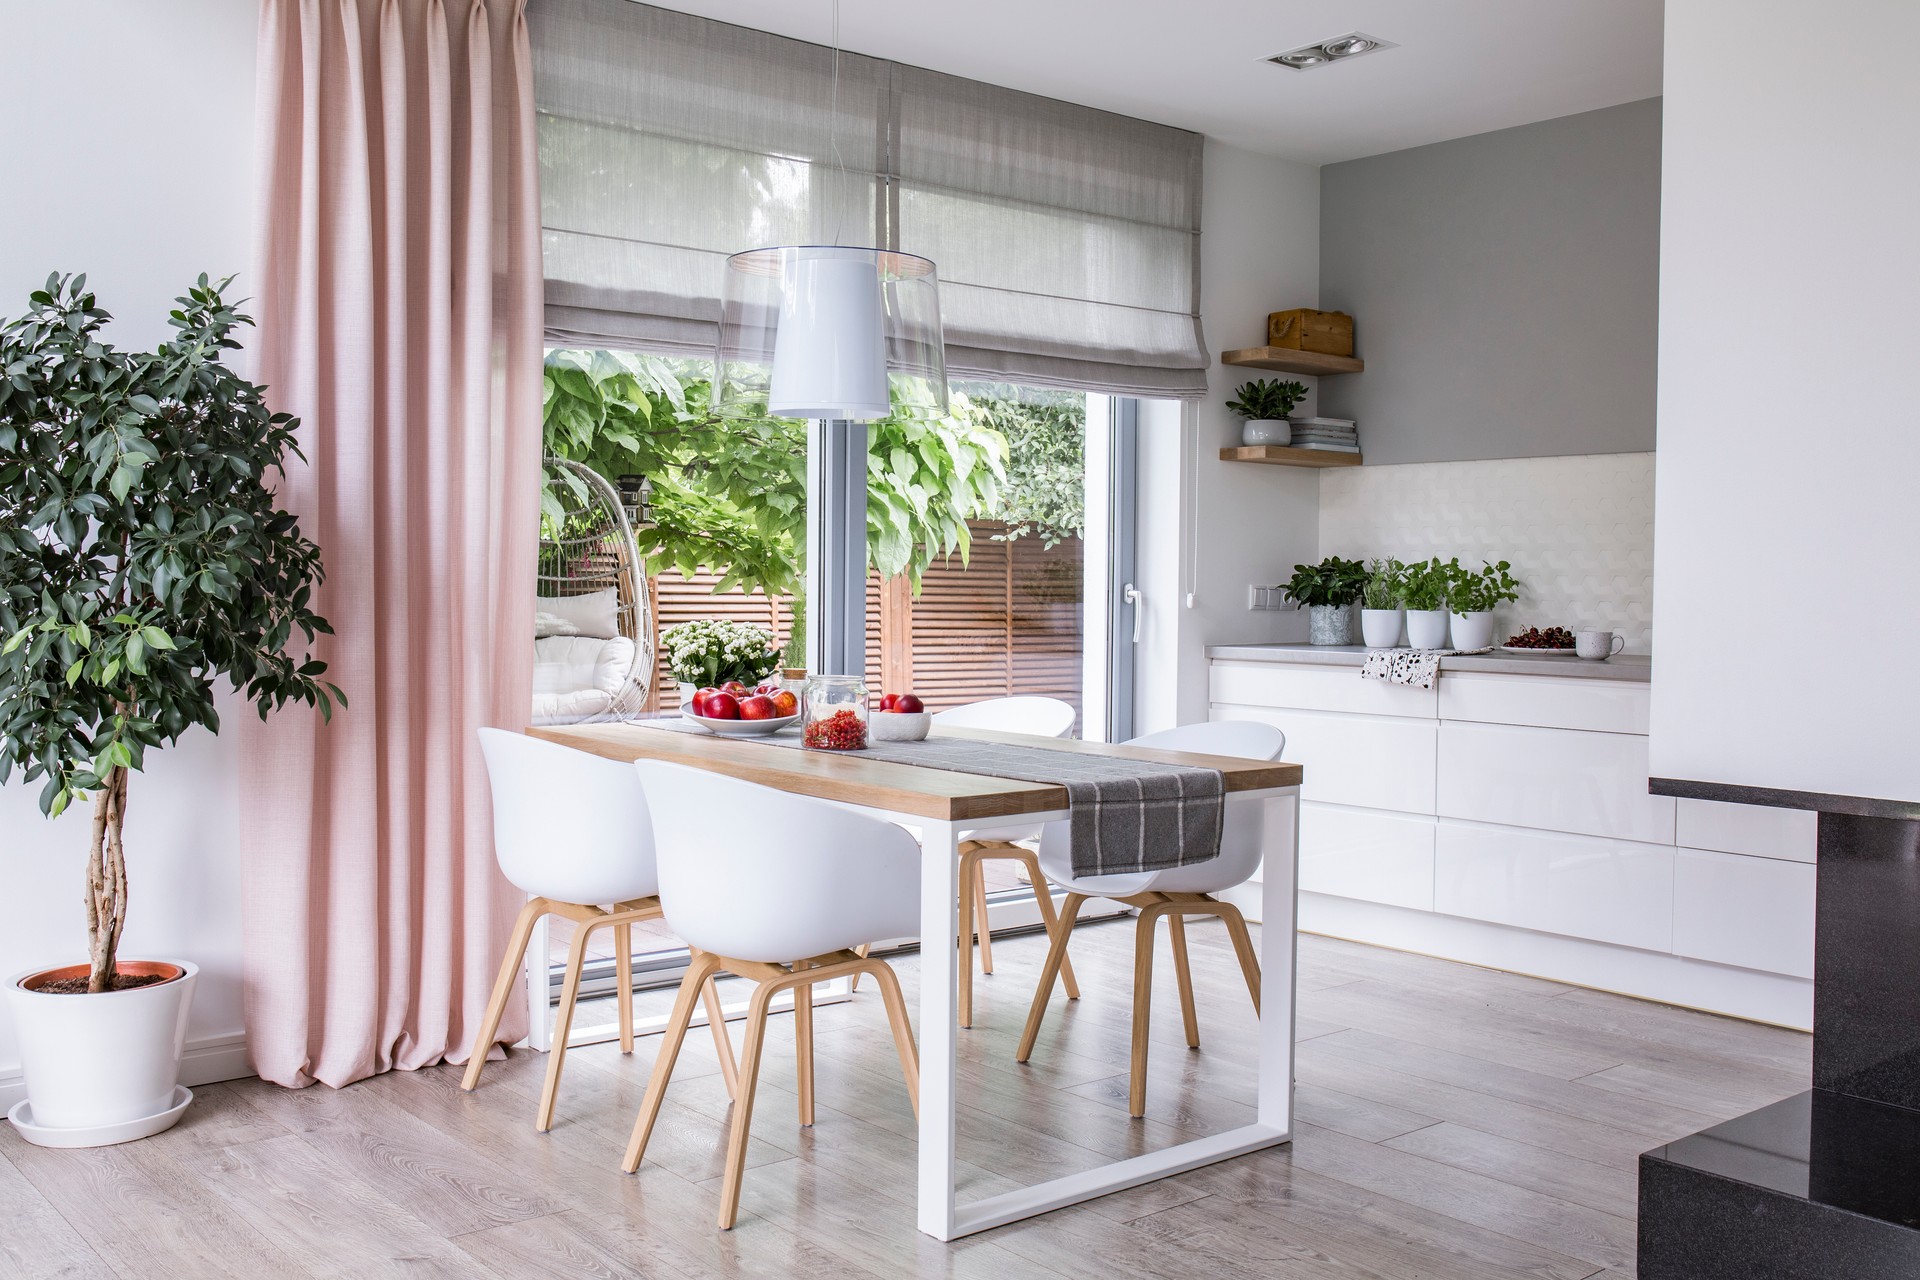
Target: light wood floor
[(1454, 1124)]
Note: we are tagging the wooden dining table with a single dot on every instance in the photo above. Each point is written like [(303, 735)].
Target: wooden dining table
[(943, 808)]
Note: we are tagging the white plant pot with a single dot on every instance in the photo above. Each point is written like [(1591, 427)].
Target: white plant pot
[(1380, 628), (101, 1068), (1267, 431), (1472, 630), (1427, 628), (687, 690), (1330, 624)]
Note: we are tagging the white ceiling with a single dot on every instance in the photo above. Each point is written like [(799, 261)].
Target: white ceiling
[(1463, 66)]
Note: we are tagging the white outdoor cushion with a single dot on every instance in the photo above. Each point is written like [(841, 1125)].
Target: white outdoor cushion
[(575, 677), (595, 614)]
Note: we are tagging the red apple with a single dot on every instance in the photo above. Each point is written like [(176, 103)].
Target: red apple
[(907, 704), (785, 703), (699, 703), (735, 688), (722, 706), (886, 703), (757, 706)]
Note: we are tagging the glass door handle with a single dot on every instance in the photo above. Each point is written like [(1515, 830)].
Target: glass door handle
[(1134, 597)]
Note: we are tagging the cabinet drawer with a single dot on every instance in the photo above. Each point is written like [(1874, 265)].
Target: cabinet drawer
[(1553, 702), (1310, 688), (1366, 854), (1551, 779), (1754, 829), (1753, 912), (1370, 762), (1614, 891)]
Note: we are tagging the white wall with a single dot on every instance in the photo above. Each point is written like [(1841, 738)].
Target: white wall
[(1789, 439), (1259, 252), (128, 155)]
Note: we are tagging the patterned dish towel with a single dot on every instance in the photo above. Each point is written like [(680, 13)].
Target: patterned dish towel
[(1408, 666)]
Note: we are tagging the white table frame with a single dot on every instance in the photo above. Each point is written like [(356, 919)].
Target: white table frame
[(941, 1214)]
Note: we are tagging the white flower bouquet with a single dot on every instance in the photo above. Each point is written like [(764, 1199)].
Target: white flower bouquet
[(713, 651)]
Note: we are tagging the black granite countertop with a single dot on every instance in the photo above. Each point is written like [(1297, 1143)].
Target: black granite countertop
[(1626, 666)]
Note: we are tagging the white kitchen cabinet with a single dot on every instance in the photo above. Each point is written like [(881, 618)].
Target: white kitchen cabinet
[(1366, 854), (1315, 688), (1747, 828), (1375, 762), (1753, 912), (1617, 891), (1555, 702), (1550, 779)]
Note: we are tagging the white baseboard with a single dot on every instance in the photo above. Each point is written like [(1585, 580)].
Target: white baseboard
[(1649, 975), (207, 1061)]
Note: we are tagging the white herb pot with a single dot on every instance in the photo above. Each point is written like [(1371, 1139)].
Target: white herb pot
[(1266, 431), (1380, 628), (1330, 624), (1472, 630), (1427, 628), (100, 1068)]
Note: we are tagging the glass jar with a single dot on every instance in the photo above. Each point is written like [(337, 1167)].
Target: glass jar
[(835, 708)]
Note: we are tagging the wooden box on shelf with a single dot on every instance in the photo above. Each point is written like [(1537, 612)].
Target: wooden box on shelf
[(1304, 329)]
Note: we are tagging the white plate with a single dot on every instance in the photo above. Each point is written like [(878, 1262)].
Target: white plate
[(741, 728), (104, 1135), (1511, 648)]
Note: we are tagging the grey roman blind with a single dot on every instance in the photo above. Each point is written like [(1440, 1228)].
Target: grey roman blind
[(1067, 239)]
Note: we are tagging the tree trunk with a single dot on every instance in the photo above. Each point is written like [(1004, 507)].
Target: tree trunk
[(106, 880)]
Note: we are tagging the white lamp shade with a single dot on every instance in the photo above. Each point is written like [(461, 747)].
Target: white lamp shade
[(817, 331), (830, 350)]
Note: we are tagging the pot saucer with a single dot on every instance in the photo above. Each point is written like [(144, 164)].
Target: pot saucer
[(105, 1135)]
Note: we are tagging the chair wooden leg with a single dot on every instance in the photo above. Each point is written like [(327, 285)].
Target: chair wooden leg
[(1142, 1008), (743, 1104), (1056, 957), (968, 869), (1242, 947), (864, 950), (623, 980), (502, 989), (803, 1047), (700, 970), (1177, 932), (563, 1022), (722, 1045), (902, 1031), (980, 923), (1043, 899)]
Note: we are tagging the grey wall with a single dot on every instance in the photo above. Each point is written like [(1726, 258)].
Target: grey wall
[(1504, 289)]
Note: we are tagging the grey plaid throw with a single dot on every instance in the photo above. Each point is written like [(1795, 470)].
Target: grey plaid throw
[(1127, 815)]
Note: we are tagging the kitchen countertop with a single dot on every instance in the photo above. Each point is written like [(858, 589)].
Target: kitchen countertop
[(1625, 666)]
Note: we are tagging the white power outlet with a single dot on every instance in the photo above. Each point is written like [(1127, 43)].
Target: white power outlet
[(1259, 597)]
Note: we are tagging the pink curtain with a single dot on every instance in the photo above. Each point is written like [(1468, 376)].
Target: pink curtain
[(398, 292)]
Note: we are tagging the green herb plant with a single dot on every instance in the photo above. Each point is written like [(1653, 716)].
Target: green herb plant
[(1266, 400), (1386, 579), (144, 560), (1478, 590), (1331, 582), (1425, 585)]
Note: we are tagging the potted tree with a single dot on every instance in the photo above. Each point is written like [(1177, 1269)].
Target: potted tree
[(1328, 589), (1472, 596), (1382, 613), (143, 559), (1265, 404), (1423, 590)]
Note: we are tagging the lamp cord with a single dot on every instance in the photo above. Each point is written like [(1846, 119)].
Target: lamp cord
[(833, 134)]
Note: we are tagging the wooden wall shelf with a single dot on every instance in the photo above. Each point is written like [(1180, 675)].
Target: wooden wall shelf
[(1285, 456), (1283, 360)]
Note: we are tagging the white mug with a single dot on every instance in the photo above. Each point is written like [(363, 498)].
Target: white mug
[(1598, 646)]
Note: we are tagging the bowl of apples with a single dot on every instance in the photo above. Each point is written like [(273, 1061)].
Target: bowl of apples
[(901, 718), (735, 711)]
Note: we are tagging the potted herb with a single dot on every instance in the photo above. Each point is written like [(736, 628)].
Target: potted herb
[(1265, 404), (1423, 590), (1472, 597), (144, 560), (1382, 613), (712, 652), (1328, 589)]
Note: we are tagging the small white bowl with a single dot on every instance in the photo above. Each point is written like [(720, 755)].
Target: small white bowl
[(899, 726), (741, 728)]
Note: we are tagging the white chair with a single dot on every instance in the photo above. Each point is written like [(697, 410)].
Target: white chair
[(572, 830), (1175, 893), (777, 888), (1039, 717)]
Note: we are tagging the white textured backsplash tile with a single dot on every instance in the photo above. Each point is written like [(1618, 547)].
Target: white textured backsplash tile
[(1579, 531)]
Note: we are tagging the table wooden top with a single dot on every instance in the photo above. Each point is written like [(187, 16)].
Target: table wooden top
[(851, 778)]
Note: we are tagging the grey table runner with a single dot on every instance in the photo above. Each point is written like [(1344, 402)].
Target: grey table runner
[(1127, 815)]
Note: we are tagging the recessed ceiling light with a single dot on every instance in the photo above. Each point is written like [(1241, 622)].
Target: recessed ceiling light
[(1339, 48)]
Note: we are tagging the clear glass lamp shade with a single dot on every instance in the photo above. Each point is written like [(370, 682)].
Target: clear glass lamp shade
[(816, 331)]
